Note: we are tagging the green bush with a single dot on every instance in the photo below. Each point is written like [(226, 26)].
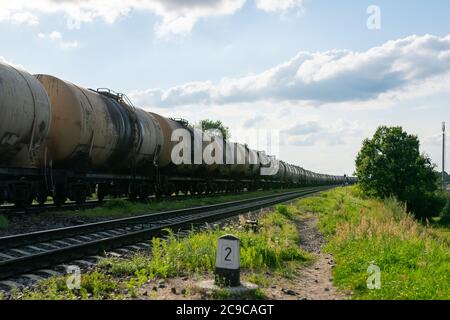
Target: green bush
[(390, 164)]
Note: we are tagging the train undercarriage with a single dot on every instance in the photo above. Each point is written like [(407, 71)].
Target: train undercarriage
[(22, 187)]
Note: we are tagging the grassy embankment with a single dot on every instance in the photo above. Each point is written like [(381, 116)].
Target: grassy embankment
[(414, 259), (441, 228), (274, 247)]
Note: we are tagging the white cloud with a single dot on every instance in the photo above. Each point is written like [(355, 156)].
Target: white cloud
[(255, 122), (24, 18), (433, 140), (312, 132), (9, 12), (177, 16), (338, 76), (5, 61), (57, 37), (278, 5)]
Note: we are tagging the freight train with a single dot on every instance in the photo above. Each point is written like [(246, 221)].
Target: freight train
[(63, 141)]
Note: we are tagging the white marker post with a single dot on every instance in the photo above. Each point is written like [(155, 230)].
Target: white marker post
[(228, 262)]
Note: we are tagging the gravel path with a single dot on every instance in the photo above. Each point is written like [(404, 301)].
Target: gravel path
[(316, 280), (313, 282)]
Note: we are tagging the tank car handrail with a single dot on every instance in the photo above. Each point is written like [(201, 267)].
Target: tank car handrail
[(121, 97), (182, 121)]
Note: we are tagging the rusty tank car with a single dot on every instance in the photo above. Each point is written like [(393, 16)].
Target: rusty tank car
[(97, 130)]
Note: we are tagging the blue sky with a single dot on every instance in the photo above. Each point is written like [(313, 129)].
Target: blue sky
[(194, 59)]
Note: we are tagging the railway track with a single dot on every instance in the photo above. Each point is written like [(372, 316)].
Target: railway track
[(28, 252)]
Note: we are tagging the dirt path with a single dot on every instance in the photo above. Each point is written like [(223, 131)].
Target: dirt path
[(313, 282)]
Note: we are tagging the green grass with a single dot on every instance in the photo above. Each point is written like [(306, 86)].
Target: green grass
[(442, 233), (284, 210), (414, 260), (440, 228), (273, 247), (4, 223), (259, 279), (94, 285), (117, 208), (270, 248)]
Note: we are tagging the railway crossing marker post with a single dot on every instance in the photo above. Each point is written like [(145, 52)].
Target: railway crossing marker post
[(227, 271)]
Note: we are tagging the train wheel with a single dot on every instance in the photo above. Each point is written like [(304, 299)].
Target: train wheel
[(101, 193), (22, 196), (143, 194), (41, 199), (185, 190), (132, 192), (132, 196), (59, 200), (59, 196), (100, 196), (80, 198), (171, 189), (23, 203), (191, 189), (197, 189), (203, 188)]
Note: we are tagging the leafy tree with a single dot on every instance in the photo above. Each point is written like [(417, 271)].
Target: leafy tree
[(211, 125), (390, 164)]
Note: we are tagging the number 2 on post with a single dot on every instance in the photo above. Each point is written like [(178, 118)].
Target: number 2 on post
[(227, 257)]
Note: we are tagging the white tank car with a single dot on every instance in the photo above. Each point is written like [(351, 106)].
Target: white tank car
[(25, 117)]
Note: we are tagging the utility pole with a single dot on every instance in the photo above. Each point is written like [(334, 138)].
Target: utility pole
[(443, 156)]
